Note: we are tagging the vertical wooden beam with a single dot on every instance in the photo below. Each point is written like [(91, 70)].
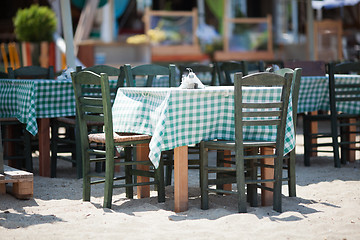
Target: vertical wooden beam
[(142, 154), (44, 147), (227, 157), (267, 173), (181, 178), (314, 129)]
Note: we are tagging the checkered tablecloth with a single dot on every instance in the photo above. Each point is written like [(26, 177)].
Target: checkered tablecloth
[(314, 94), (28, 100), (178, 117)]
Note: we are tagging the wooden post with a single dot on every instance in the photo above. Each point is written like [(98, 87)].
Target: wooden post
[(313, 129), (267, 173), (44, 147), (142, 154), (181, 178)]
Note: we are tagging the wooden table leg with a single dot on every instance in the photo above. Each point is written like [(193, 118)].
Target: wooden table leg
[(314, 129), (181, 178), (267, 173), (44, 146), (351, 137), (142, 154), (227, 157)]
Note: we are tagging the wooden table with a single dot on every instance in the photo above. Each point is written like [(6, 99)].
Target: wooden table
[(176, 118), (314, 96), (34, 102)]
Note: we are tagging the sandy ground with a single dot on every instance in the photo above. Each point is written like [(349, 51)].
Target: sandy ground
[(327, 206)]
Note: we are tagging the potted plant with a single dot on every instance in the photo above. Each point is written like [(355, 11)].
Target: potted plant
[(34, 27)]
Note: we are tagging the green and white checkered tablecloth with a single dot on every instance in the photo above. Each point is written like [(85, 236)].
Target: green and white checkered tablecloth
[(28, 100), (314, 93), (178, 117)]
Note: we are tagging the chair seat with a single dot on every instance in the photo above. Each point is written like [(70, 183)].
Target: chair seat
[(118, 137), (72, 121)]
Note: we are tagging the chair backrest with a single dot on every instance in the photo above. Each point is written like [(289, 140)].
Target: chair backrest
[(90, 108), (341, 93), (309, 68), (3, 75), (31, 72), (271, 113), (149, 72), (199, 68), (111, 72), (295, 87), (226, 69)]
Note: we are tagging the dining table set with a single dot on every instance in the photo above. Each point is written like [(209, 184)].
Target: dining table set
[(174, 117)]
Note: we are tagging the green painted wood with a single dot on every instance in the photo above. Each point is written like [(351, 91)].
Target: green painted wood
[(88, 108), (149, 71), (226, 69), (248, 161), (24, 160), (341, 94), (199, 68), (67, 143), (31, 72), (295, 96)]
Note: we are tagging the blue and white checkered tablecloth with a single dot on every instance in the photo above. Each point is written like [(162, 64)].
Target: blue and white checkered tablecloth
[(178, 117)]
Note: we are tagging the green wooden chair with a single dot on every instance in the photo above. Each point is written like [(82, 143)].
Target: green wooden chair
[(99, 109), (23, 141), (1, 154), (225, 70), (338, 120), (149, 72), (31, 72), (291, 157), (67, 142), (243, 170), (199, 69)]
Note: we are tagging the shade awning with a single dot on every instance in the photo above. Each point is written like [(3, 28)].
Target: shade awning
[(319, 4)]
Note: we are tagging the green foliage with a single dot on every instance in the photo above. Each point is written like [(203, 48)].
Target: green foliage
[(35, 24)]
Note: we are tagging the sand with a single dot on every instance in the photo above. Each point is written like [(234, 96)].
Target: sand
[(327, 206)]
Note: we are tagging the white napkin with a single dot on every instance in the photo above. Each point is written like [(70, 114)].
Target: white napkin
[(65, 74), (191, 81)]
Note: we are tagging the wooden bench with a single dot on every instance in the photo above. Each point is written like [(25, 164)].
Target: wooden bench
[(22, 183)]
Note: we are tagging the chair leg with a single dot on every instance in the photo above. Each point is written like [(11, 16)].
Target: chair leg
[(159, 176), (128, 176), (54, 147), (277, 185), (291, 174), (86, 178), (240, 182), (169, 167), (307, 141), (77, 148), (335, 143), (344, 147), (220, 155), (27, 151), (204, 177), (251, 188), (109, 176)]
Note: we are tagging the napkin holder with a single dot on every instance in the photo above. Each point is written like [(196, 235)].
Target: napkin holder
[(191, 81)]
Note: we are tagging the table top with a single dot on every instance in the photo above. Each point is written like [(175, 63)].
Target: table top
[(177, 117)]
